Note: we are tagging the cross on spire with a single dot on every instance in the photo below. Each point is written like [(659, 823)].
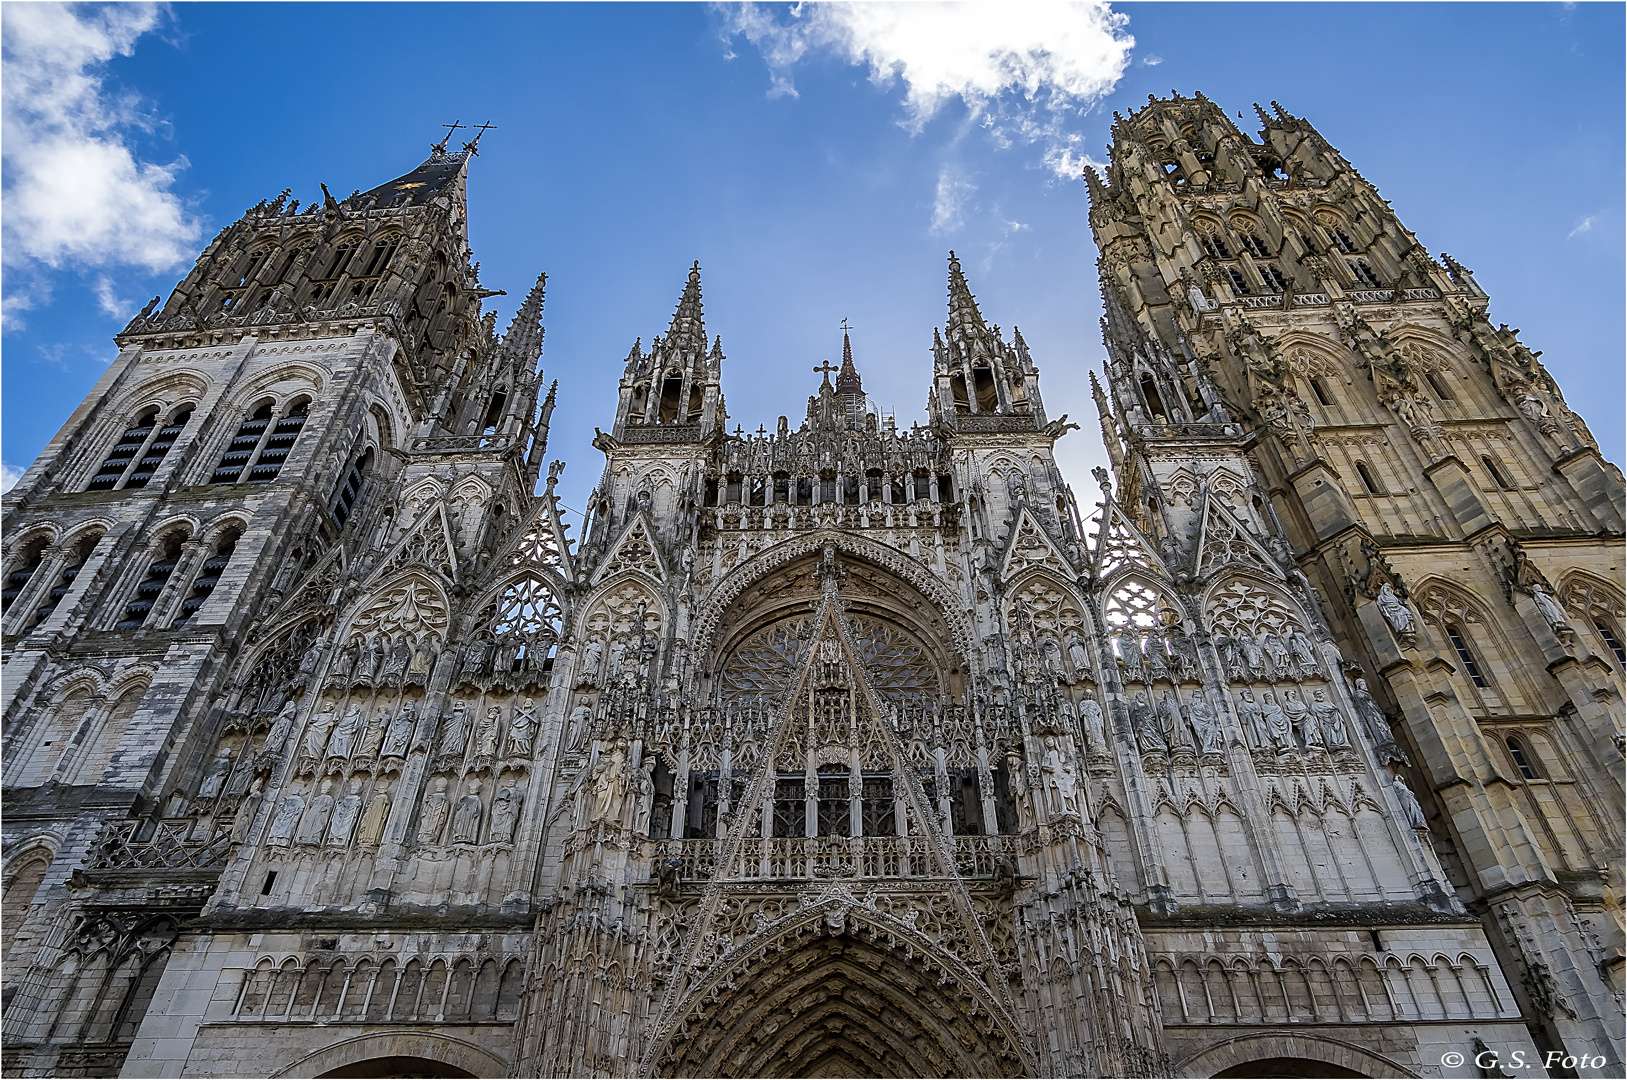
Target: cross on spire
[(845, 327), (472, 145), (451, 129), (825, 369)]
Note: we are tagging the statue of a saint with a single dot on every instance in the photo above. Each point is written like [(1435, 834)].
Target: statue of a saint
[(1276, 724), (1175, 731), (316, 736), (1409, 803), (1253, 655), (1090, 715), (375, 817), (1372, 717), (522, 730), (1549, 607), (577, 729), (345, 812), (1300, 720), (1061, 782), (1330, 720), (455, 735), (609, 785), (1277, 650), (1253, 720), (1206, 722), (289, 810), (486, 733), (643, 797), (1144, 719), (505, 808), (592, 657), (400, 731), (432, 814), (209, 787), (1130, 655), (1079, 657), (466, 820), (246, 811), (1394, 609), (343, 739), (314, 822), (277, 738), (373, 738)]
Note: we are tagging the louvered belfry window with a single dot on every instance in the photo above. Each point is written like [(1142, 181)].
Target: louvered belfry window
[(123, 453), (147, 593), (261, 445)]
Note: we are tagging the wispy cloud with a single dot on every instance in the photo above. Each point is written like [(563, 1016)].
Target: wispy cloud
[(9, 475), (1151, 61), (947, 206), (1585, 225), (110, 303), (74, 191), (1024, 72)]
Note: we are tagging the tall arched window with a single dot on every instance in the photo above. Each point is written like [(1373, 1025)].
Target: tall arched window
[(1238, 282), (22, 570), (261, 445), (345, 499), (208, 576), (157, 447), (1460, 644), (1498, 476), (158, 575), (79, 554), (124, 452), (1437, 383), (23, 880), (1524, 760), (1254, 245), (1608, 636), (1368, 481)]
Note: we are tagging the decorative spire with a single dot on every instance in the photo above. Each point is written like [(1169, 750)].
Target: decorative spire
[(688, 330), (523, 342), (963, 313), (847, 380)]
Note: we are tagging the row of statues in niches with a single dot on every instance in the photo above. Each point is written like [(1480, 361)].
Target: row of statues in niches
[(1272, 656), (376, 733), (1275, 719), (338, 816)]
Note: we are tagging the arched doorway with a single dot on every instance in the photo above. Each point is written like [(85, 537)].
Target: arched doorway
[(844, 1005), (397, 1068), (1286, 1068)]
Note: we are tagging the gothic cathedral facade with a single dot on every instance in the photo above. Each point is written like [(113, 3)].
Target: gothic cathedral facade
[(838, 749)]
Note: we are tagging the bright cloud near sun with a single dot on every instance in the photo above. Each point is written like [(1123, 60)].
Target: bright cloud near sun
[(1023, 71), (74, 192)]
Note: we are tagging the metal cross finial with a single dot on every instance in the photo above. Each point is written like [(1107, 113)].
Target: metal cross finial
[(473, 144), (826, 368), (451, 129), (845, 327)]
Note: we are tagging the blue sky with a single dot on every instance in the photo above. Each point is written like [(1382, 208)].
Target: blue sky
[(632, 139)]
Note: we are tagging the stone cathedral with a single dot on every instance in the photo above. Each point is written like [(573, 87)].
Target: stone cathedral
[(845, 748)]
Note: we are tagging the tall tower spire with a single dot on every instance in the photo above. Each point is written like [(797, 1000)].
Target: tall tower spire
[(687, 333)]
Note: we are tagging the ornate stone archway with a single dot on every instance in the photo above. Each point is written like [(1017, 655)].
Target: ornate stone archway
[(842, 995)]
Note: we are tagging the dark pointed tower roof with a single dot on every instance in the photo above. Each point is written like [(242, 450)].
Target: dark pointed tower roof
[(847, 380), (435, 175), (963, 311), (688, 330)]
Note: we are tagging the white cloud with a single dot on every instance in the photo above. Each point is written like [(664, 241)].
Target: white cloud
[(75, 193), (1023, 71), (1582, 226), (950, 201), (9, 475), (108, 302), (1151, 61)]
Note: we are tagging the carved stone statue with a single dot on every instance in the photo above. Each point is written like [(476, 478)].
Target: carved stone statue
[(1090, 715), (455, 735), (1549, 607), (1330, 720), (209, 787), (1277, 726), (246, 811), (395, 663), (345, 813), (1277, 650), (1130, 654), (643, 797), (1079, 657), (289, 810), (609, 785), (316, 736), (1395, 610), (1253, 655), (1372, 717), (486, 733), (1144, 719), (505, 809), (1156, 657), (373, 738), (577, 729), (522, 730), (1017, 772), (400, 731), (592, 658), (1060, 780), (343, 739), (1206, 722), (314, 822), (466, 820), (375, 817), (423, 659), (432, 815), (277, 738), (1253, 721), (1173, 724), (1409, 803), (1300, 720)]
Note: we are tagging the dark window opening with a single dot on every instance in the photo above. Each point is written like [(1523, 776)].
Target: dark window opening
[(988, 399), (253, 267), (265, 886), (156, 449), (782, 487), (1239, 284), (1321, 392), (897, 494), (383, 252), (850, 489), (697, 398), (1342, 241), (1470, 668), (946, 488), (804, 490), (341, 258), (494, 412), (1364, 274), (876, 809), (1521, 759), (352, 487), (242, 447), (757, 492), (671, 389), (957, 389), (790, 807), (23, 571), (1611, 640), (700, 818), (923, 484), (147, 593), (1149, 394), (732, 489), (1215, 246), (965, 804), (1497, 475), (1368, 481), (1005, 806), (123, 453), (835, 819), (827, 487), (278, 444), (1273, 277), (1438, 384), (1255, 246), (65, 580), (872, 485), (711, 491)]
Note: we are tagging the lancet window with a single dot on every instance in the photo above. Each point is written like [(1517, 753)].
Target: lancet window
[(261, 445), (152, 585), (77, 555), (208, 576)]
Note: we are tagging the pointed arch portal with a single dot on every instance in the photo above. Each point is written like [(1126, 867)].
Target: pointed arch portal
[(845, 1004)]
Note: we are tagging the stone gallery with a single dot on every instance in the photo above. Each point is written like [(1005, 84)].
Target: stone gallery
[(843, 748)]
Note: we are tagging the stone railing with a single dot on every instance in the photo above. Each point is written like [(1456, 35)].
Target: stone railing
[(171, 845), (656, 434), (1187, 431), (819, 858), (453, 444)]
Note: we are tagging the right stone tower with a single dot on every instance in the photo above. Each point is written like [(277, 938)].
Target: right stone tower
[(1454, 517)]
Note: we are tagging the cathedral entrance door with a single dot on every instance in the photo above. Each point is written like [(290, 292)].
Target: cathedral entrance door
[(841, 1006)]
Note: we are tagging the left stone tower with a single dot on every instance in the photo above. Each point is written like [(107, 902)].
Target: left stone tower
[(319, 427)]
